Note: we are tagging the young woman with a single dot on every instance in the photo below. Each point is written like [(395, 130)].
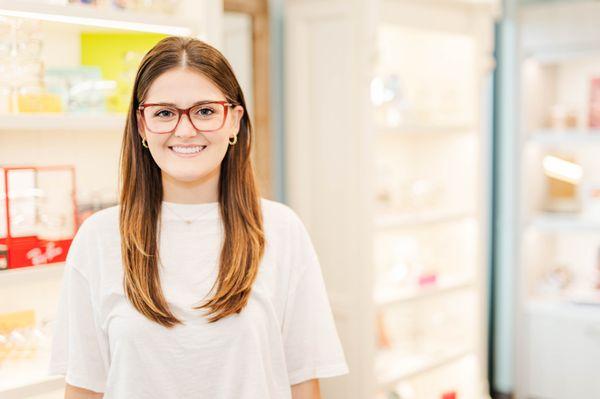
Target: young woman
[(193, 286)]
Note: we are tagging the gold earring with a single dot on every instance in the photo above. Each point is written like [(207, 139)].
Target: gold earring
[(234, 140), (145, 143)]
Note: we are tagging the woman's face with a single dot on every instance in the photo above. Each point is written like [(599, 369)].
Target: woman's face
[(184, 87)]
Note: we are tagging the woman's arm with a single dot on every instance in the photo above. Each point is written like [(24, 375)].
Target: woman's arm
[(306, 390), (73, 392)]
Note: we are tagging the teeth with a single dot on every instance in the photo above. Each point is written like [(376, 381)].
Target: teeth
[(188, 150)]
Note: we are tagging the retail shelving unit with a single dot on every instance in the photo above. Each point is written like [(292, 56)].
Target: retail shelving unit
[(388, 163), (558, 228), (90, 142)]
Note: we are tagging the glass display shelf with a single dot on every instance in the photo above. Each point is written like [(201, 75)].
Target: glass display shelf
[(393, 368), (388, 297), (74, 14)]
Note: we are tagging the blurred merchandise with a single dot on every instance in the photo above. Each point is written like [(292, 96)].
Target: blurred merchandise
[(87, 2), (555, 279), (590, 199), (387, 97), (595, 103), (384, 184), (41, 219), (562, 117), (407, 265), (154, 6), (406, 195), (563, 175), (118, 56), (383, 339), (19, 336), (411, 89), (81, 89), (90, 202), (420, 194), (22, 86), (3, 256)]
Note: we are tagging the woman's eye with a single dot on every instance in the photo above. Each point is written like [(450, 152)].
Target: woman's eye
[(205, 111), (165, 113)]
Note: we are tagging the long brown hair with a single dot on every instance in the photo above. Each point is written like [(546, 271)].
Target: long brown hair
[(142, 194)]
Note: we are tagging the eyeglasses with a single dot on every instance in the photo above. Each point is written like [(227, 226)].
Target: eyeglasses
[(206, 116)]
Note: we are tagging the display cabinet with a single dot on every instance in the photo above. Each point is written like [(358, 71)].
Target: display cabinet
[(388, 134), (558, 228)]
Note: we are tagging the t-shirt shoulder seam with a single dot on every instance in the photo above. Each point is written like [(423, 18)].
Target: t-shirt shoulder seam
[(324, 371)]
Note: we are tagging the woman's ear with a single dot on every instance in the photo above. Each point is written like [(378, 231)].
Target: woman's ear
[(238, 113), (140, 124)]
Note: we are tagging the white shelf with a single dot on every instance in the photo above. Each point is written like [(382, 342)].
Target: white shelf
[(409, 366), (566, 137), (406, 295), (38, 386), (387, 221), (29, 274), (564, 53), (566, 223), (84, 122), (425, 130), (27, 378), (98, 17)]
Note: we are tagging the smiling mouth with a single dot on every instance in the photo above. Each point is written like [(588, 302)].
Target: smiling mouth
[(187, 150)]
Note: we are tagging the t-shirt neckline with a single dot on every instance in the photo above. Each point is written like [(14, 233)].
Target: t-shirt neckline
[(179, 211)]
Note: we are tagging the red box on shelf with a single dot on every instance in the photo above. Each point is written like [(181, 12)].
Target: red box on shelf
[(38, 214)]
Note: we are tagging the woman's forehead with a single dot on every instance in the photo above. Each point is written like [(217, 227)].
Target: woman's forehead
[(182, 86)]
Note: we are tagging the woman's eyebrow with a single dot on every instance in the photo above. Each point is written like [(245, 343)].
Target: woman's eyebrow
[(175, 105)]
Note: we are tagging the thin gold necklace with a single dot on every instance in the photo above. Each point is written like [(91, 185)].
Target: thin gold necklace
[(187, 221)]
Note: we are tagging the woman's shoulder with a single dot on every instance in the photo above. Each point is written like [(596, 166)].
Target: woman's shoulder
[(102, 223), (103, 220), (278, 213)]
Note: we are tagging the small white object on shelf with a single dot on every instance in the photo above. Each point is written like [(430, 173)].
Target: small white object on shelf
[(97, 17)]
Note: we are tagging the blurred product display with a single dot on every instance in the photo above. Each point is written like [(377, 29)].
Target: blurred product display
[(562, 117), (156, 6), (557, 210), (563, 177), (81, 89), (116, 56), (20, 337), (22, 86), (422, 150), (41, 219)]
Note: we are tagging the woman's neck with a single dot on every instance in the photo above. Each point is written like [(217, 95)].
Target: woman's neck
[(203, 190)]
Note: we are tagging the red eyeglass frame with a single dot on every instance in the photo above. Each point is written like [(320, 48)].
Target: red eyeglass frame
[(185, 111)]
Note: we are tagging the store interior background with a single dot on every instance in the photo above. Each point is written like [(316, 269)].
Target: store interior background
[(442, 154)]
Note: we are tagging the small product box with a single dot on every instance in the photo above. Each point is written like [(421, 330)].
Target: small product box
[(38, 214)]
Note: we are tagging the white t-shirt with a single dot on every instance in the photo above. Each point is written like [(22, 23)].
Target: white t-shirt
[(285, 335)]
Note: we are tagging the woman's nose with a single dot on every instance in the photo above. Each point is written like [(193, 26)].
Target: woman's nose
[(185, 128)]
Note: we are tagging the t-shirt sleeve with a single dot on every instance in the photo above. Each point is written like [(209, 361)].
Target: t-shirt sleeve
[(79, 348), (311, 343)]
